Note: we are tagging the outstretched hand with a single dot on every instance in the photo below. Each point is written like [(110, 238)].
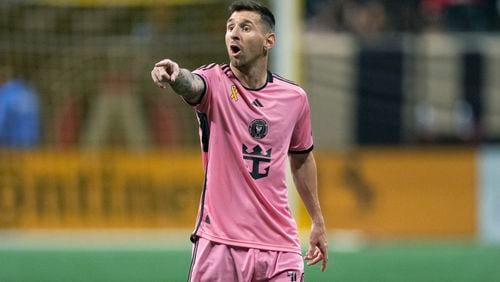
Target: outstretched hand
[(165, 72), (318, 246)]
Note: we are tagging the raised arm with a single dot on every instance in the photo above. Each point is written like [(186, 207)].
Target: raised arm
[(303, 168), (183, 82)]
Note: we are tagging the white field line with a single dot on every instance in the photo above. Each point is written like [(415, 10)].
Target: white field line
[(96, 240), (141, 240)]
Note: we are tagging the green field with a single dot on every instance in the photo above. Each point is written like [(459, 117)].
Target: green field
[(454, 262)]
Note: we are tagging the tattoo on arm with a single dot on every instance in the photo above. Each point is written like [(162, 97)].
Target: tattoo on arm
[(189, 86)]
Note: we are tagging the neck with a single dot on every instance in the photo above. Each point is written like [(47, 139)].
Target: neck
[(253, 77)]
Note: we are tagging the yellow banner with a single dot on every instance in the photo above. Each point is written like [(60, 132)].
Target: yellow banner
[(391, 192), (380, 192), (72, 190)]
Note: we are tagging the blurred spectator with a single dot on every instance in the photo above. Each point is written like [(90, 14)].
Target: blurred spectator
[(115, 117), (456, 15), (364, 18), (368, 19), (165, 122), (67, 123), (462, 15), (325, 15), (19, 112), (432, 11)]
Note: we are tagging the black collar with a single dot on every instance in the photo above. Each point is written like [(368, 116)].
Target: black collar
[(269, 80)]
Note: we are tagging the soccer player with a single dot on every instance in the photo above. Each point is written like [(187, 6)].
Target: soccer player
[(250, 121)]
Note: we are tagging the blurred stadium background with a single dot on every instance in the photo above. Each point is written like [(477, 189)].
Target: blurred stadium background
[(100, 171)]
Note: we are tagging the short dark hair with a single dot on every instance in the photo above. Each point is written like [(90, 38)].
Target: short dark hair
[(265, 14)]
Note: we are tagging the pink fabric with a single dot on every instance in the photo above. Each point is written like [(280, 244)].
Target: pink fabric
[(218, 262), (245, 197)]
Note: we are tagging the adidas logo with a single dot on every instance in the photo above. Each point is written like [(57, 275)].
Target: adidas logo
[(257, 103)]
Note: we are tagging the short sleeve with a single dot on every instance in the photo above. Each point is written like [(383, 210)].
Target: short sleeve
[(207, 74), (302, 139)]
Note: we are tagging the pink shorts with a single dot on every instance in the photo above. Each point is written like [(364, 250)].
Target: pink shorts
[(218, 262)]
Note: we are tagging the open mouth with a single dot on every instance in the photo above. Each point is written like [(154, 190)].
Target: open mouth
[(235, 50)]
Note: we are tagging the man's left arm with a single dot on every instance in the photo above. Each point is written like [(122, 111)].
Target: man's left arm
[(304, 173)]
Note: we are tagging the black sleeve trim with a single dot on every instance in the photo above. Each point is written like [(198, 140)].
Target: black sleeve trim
[(202, 94), (205, 130), (306, 151)]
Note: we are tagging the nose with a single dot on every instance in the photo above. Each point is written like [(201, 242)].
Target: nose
[(234, 33)]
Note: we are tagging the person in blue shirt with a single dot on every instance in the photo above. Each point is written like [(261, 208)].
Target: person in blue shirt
[(19, 113)]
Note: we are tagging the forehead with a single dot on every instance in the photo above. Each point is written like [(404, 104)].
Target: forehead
[(245, 16)]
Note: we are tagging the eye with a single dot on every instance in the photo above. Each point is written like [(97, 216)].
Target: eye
[(246, 28), (230, 27)]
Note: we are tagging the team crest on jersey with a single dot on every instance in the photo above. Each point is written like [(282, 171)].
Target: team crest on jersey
[(258, 128), (234, 93)]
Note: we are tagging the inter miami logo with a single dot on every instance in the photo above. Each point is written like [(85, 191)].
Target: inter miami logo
[(258, 128), (257, 156)]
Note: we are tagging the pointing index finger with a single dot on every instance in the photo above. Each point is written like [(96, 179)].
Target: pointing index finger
[(163, 63)]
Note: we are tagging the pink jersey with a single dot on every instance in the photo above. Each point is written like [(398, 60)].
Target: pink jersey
[(246, 135)]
